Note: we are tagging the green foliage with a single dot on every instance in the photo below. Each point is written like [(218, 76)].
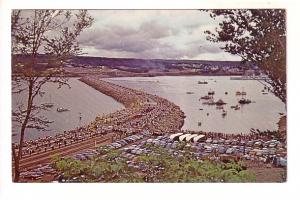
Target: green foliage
[(158, 166)]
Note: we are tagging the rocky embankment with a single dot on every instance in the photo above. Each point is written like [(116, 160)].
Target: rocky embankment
[(142, 111)]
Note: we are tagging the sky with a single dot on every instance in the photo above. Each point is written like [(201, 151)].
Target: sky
[(152, 34)]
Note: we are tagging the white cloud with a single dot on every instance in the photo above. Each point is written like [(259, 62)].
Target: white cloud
[(166, 34)]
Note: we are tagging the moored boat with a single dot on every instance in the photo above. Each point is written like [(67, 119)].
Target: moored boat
[(205, 97), (61, 109), (220, 102), (244, 101)]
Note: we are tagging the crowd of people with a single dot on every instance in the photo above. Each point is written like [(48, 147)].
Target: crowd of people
[(142, 112)]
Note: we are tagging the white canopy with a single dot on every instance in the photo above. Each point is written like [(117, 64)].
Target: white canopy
[(181, 138), (175, 135), (195, 139), (188, 138)]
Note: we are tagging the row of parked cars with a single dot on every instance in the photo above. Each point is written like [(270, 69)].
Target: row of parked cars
[(250, 143), (37, 173), (254, 150), (115, 145)]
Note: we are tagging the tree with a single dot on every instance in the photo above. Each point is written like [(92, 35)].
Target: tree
[(157, 165), (54, 34), (258, 36)]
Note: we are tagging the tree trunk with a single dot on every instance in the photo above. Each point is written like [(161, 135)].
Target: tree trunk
[(24, 124)]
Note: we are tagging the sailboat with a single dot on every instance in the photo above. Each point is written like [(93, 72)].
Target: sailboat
[(243, 100), (49, 104)]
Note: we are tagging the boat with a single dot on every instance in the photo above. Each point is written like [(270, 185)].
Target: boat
[(220, 107), (202, 82), (205, 97), (220, 102), (209, 102), (48, 105), (61, 109), (199, 123), (200, 108), (244, 101), (211, 92), (264, 93), (244, 93), (190, 92), (238, 93), (236, 107), (224, 113)]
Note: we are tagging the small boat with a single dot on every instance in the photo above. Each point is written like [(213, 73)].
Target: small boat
[(209, 102), (244, 101), (190, 92), (224, 113), (220, 102), (48, 105), (200, 108), (202, 82), (205, 97), (61, 109), (243, 93), (238, 93), (211, 93), (236, 107), (264, 93), (220, 107), (199, 123)]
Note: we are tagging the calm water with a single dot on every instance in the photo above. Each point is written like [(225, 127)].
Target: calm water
[(81, 98), (262, 115)]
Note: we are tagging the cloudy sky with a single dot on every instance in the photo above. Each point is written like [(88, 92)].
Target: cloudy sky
[(163, 34)]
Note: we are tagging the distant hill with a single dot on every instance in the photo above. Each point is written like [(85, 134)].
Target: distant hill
[(147, 63), (135, 65)]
